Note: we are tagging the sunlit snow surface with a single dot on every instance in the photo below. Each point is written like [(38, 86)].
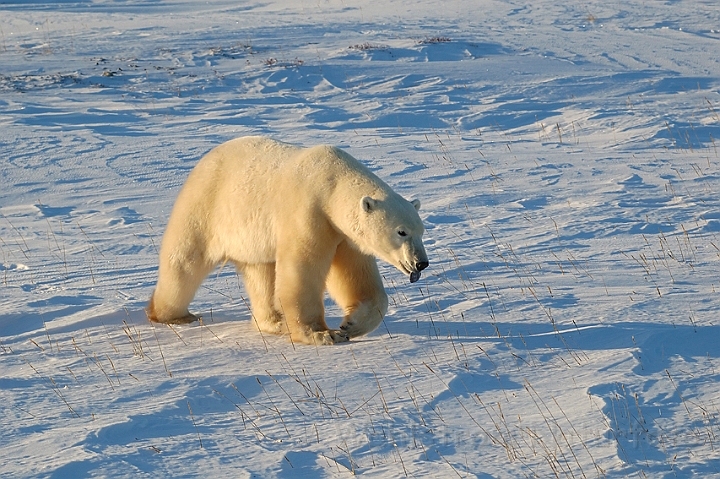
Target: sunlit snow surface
[(566, 156)]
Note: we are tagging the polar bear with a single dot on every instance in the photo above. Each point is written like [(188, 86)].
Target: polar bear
[(295, 222)]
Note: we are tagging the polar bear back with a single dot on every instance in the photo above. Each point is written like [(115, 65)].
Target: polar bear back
[(240, 191)]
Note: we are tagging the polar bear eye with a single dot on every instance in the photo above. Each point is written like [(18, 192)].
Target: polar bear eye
[(402, 233)]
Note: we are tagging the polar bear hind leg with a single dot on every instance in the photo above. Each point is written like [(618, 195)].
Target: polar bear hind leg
[(176, 287), (259, 282), (355, 284)]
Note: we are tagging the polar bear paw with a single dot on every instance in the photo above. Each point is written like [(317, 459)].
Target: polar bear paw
[(187, 319), (322, 338), (331, 336), (271, 324)]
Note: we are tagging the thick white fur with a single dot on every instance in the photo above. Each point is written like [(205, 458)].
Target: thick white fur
[(295, 222)]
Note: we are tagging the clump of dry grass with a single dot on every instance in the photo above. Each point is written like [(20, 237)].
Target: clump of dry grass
[(363, 47), (433, 40), (275, 63)]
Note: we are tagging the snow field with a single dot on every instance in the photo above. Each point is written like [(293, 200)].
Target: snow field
[(566, 158)]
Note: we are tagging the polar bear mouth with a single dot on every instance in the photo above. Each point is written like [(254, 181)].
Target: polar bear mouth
[(407, 269)]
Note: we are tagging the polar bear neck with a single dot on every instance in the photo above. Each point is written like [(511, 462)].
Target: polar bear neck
[(348, 181)]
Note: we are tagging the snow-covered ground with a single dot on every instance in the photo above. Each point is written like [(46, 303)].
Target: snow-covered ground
[(566, 155)]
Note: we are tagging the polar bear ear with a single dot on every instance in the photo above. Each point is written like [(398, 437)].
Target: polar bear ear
[(368, 204), (416, 204)]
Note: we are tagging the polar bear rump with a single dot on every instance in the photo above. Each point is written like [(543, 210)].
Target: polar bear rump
[(295, 222)]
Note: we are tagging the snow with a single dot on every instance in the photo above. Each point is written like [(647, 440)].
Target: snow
[(566, 156)]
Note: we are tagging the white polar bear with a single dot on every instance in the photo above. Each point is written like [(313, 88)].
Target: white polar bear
[(295, 222)]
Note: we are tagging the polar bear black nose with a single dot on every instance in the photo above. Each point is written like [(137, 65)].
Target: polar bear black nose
[(421, 265)]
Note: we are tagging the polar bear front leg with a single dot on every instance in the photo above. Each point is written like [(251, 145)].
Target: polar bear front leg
[(355, 284), (260, 285), (299, 289)]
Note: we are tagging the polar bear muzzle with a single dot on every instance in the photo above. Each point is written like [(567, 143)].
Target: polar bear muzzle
[(415, 275)]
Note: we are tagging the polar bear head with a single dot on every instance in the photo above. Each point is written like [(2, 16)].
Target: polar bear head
[(390, 228)]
